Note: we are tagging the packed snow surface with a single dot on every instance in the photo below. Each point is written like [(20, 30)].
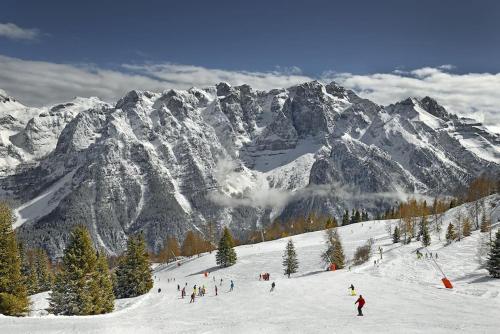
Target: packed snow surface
[(403, 294)]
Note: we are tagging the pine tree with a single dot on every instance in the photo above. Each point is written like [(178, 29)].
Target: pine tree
[(290, 261), (334, 253), (226, 256), (101, 289), (426, 237), (133, 274), (396, 236), (450, 233), (13, 293), (466, 227), (485, 224), (44, 272), (493, 264), (345, 218), (71, 294), (32, 284)]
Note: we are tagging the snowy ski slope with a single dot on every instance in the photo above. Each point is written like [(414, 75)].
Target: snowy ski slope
[(403, 294)]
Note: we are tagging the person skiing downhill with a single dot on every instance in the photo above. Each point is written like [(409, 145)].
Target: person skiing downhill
[(192, 298), (361, 303), (232, 286), (183, 293), (272, 287), (353, 292), (216, 290), (221, 282), (178, 287)]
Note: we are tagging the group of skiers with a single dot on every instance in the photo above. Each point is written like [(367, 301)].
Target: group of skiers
[(427, 255), (200, 291)]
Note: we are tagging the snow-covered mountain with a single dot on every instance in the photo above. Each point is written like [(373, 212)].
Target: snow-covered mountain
[(165, 163), (28, 134)]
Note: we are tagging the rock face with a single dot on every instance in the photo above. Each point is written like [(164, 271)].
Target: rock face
[(165, 163)]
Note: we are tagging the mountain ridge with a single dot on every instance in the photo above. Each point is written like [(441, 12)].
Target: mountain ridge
[(165, 163)]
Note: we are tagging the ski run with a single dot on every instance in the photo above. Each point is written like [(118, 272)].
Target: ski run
[(404, 294)]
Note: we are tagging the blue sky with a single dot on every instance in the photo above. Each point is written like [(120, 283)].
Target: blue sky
[(385, 50), (316, 36)]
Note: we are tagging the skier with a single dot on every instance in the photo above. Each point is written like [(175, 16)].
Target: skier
[(361, 303), (216, 290), (183, 293), (232, 286), (221, 282), (178, 287), (194, 289), (159, 290), (353, 292), (436, 255), (192, 298), (260, 277), (272, 287)]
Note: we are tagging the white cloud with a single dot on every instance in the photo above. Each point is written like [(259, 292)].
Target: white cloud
[(40, 83), (470, 95), (12, 31)]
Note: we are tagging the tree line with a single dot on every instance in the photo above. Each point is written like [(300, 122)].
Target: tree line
[(82, 283)]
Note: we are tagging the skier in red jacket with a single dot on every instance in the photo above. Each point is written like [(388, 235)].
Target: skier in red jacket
[(361, 303)]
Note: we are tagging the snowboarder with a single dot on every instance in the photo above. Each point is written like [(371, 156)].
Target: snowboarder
[(192, 298), (361, 303), (272, 287), (216, 290), (232, 286)]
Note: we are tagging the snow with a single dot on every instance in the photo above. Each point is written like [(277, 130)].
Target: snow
[(403, 294), (480, 147), (46, 202)]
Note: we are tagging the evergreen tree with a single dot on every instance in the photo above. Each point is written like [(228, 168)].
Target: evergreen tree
[(396, 236), (13, 293), (485, 224), (31, 279), (345, 218), (72, 293), (290, 261), (226, 256), (133, 274), (426, 237), (493, 264), (466, 227), (450, 233), (103, 299), (334, 253), (44, 272)]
